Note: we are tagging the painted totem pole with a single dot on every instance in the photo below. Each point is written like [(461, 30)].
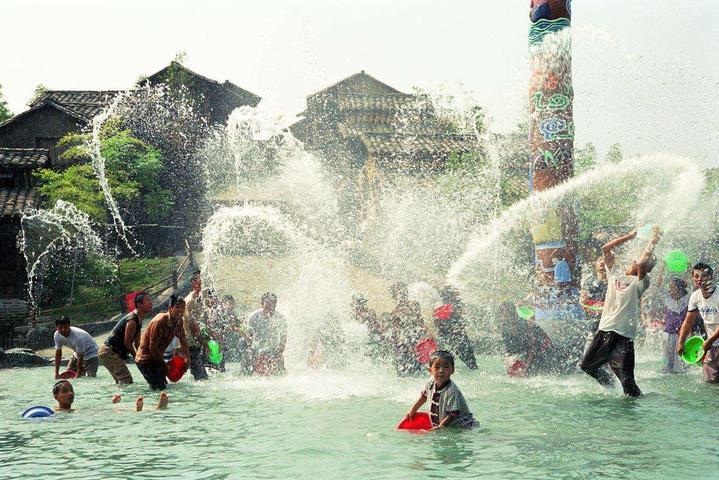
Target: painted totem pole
[(552, 149)]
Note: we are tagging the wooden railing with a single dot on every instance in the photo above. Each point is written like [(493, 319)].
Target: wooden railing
[(158, 288)]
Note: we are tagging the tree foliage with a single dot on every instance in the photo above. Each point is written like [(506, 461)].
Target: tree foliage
[(39, 91), (615, 154), (585, 158), (133, 170), (5, 112)]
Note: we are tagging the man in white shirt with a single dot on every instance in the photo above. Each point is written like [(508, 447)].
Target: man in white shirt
[(85, 360), (268, 328), (704, 302), (614, 340)]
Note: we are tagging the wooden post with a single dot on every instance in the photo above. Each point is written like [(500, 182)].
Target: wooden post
[(188, 249), (554, 233)]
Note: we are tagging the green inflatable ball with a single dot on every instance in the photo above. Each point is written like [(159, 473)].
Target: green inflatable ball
[(525, 312), (676, 261)]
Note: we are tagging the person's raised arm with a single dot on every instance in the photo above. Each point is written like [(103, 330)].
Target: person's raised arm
[(649, 249), (130, 340), (685, 330), (607, 249), (660, 275)]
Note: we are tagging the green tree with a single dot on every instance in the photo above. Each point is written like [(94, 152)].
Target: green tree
[(39, 91), (76, 184), (133, 171), (585, 158), (5, 112), (614, 154)]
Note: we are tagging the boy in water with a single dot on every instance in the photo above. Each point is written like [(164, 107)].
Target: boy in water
[(65, 395), (614, 341), (448, 407)]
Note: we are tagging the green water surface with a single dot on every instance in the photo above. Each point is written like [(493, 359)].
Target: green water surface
[(324, 424)]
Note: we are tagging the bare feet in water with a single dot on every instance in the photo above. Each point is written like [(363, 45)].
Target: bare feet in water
[(139, 403), (163, 401), (116, 398)]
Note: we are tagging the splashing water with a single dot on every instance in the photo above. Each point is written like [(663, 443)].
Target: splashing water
[(166, 118), (495, 264), (45, 233), (307, 276)]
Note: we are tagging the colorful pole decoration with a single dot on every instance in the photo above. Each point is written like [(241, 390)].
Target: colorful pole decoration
[(554, 232)]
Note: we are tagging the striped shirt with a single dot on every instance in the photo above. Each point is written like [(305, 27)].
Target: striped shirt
[(448, 399)]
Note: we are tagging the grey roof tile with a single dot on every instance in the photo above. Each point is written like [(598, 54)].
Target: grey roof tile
[(16, 201), (23, 157)]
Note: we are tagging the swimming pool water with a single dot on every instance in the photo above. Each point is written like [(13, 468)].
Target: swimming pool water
[(323, 424)]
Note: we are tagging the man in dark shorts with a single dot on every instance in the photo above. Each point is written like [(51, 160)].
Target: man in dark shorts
[(124, 340), (614, 341), (157, 336)]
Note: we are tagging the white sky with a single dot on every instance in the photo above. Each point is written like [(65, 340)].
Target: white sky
[(646, 72)]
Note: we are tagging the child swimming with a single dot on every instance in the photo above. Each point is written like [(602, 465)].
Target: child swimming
[(448, 407), (65, 395)]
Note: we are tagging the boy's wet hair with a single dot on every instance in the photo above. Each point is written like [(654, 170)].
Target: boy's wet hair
[(195, 275), (680, 285), (64, 320), (441, 355), (56, 387), (704, 268), (175, 300), (268, 296), (139, 298)]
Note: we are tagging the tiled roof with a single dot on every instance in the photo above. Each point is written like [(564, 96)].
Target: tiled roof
[(244, 96), (15, 201), (23, 157), (435, 146), (85, 104), (384, 101), (353, 82)]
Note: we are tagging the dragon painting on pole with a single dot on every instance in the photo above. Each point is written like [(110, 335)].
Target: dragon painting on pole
[(554, 233)]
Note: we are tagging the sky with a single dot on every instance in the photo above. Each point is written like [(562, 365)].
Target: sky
[(646, 72)]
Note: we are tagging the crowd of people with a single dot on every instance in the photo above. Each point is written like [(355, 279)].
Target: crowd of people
[(617, 310), (615, 306), (405, 337), (184, 330)]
